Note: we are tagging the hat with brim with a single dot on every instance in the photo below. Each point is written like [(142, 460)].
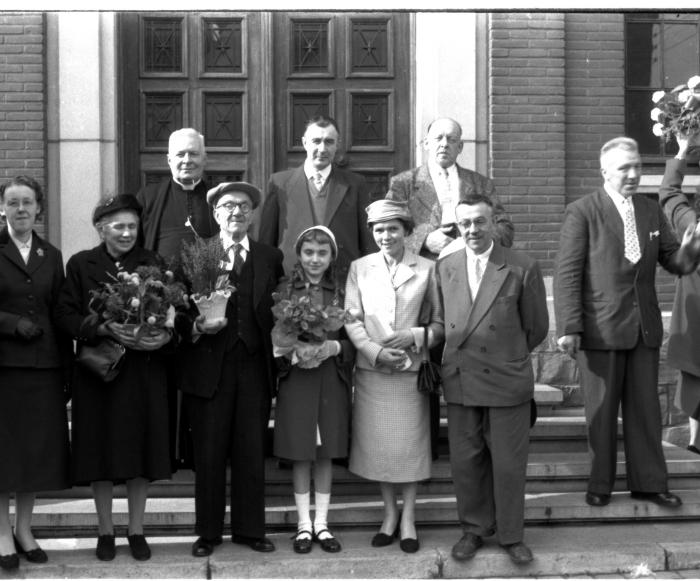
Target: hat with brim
[(384, 210), (334, 244), (253, 193), (122, 202)]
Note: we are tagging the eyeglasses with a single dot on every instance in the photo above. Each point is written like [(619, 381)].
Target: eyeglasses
[(244, 207), (478, 222)]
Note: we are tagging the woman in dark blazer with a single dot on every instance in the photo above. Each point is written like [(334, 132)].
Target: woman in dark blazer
[(34, 427), (120, 428)]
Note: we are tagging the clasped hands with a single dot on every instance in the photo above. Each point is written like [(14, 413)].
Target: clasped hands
[(394, 345), (438, 239), (27, 329)]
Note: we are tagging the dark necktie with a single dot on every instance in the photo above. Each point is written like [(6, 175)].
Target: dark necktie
[(237, 259)]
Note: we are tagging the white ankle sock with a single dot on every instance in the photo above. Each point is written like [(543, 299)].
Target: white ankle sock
[(303, 502), (321, 500)]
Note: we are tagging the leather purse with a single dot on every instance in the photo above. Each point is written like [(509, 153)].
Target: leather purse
[(429, 379), (104, 359)]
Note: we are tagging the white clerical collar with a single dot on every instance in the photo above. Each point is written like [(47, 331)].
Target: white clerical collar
[(484, 256), (228, 241), (311, 171), (187, 187)]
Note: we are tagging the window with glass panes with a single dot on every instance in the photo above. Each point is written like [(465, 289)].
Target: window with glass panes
[(661, 52)]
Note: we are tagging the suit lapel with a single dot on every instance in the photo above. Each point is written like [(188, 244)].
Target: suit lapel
[(405, 271), (642, 219), (260, 274), (457, 288), (426, 188), (37, 255), (337, 188), (609, 216), (10, 250), (494, 276), (299, 200)]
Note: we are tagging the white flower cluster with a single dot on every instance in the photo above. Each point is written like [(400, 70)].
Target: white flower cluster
[(677, 111)]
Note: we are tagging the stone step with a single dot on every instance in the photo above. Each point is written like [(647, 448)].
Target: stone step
[(175, 516), (546, 473)]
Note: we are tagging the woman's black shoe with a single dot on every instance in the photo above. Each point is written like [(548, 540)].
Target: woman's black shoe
[(139, 547), (37, 555), (9, 562), (409, 545), (303, 541), (384, 540), (105, 551)]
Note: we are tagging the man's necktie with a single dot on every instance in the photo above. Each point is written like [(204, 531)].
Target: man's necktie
[(632, 251), (318, 181), (237, 259), (478, 271)]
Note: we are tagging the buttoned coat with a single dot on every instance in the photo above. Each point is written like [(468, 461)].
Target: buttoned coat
[(287, 212), (202, 361), (31, 290), (684, 332), (409, 301), (486, 361), (598, 293), (416, 187)]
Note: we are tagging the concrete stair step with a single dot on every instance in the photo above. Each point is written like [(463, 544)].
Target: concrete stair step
[(175, 516), (667, 550)]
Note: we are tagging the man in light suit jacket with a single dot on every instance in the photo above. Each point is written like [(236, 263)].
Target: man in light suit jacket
[(608, 318), (433, 190), (318, 193), (495, 311)]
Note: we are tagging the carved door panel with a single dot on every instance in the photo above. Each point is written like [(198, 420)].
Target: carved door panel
[(354, 67), (200, 70)]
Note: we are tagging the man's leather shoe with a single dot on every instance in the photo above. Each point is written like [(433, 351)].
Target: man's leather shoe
[(204, 547), (595, 499), (519, 553), (466, 547), (661, 498), (263, 545)]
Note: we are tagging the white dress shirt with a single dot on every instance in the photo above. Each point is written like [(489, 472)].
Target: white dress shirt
[(446, 182), (23, 247), (472, 259), (311, 172), (229, 244)]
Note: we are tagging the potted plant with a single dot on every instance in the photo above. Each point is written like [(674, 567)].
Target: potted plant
[(203, 264)]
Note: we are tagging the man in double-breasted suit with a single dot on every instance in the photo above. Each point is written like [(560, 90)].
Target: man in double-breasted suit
[(433, 190), (608, 318), (227, 378), (495, 312), (318, 193)]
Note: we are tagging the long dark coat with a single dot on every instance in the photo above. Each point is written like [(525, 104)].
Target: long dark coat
[(120, 429)]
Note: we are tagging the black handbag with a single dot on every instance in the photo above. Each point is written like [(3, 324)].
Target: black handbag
[(429, 380), (104, 359)]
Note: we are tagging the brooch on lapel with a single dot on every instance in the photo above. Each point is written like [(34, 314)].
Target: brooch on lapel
[(653, 234), (40, 252)]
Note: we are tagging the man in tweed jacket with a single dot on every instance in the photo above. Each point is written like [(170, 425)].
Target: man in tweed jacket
[(433, 190)]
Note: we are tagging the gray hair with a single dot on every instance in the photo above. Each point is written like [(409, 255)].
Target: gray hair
[(185, 131), (624, 143)]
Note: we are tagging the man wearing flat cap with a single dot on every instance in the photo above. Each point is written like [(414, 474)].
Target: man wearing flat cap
[(227, 379), (318, 193)]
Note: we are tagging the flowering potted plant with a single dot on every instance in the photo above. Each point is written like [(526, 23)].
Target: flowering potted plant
[(143, 301), (678, 111), (203, 264), (298, 319)]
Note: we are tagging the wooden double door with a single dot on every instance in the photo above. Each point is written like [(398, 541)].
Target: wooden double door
[(249, 81)]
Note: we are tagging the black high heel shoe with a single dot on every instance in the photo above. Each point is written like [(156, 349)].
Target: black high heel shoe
[(37, 555), (9, 562)]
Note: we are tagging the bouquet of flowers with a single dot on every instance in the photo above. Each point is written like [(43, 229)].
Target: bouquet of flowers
[(301, 326), (145, 300), (677, 111), (203, 264)]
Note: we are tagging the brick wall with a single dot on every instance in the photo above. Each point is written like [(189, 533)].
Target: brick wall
[(22, 97), (528, 125)]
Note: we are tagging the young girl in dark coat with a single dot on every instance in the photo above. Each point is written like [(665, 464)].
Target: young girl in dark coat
[(312, 413)]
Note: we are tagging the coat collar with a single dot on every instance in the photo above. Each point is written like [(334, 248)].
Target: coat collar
[(337, 188), (404, 272), (37, 254)]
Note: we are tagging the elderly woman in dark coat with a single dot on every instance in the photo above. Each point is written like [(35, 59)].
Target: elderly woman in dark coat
[(33, 423), (120, 428)]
